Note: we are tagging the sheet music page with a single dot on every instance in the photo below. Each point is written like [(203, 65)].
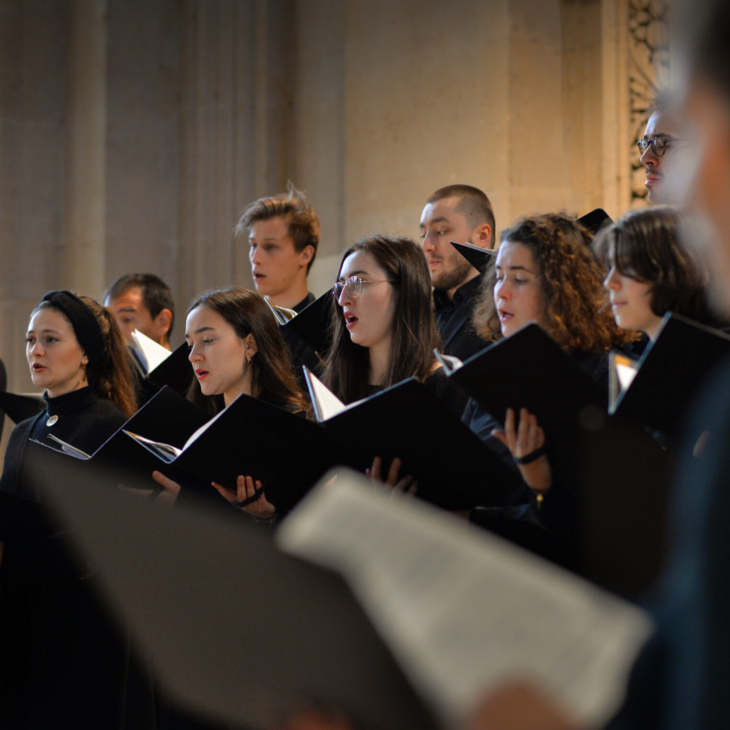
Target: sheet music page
[(207, 425), (70, 450), (626, 373), (166, 451), (154, 353), (448, 362), (326, 403), (463, 610)]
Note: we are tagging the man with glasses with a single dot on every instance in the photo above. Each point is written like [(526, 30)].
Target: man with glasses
[(659, 149), (462, 214)]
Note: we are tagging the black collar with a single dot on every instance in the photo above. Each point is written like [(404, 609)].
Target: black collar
[(304, 303), (466, 292), (69, 403)]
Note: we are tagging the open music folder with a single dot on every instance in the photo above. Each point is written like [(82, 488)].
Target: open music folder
[(669, 372), (237, 630), (453, 467), (250, 437)]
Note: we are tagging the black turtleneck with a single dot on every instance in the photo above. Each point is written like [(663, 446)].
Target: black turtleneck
[(84, 420)]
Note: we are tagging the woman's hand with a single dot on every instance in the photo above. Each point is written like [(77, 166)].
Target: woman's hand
[(523, 441), (245, 489), (170, 490), (406, 484)]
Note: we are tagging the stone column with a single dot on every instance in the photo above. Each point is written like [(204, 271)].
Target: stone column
[(84, 238)]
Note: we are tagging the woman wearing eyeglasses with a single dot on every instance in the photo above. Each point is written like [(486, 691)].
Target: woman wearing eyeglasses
[(383, 326), (383, 333)]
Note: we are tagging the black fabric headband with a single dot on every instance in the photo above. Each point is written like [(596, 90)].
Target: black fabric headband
[(83, 320)]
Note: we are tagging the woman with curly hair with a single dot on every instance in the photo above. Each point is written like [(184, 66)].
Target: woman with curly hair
[(544, 272)]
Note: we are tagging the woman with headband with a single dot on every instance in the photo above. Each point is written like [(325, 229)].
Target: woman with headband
[(63, 663)]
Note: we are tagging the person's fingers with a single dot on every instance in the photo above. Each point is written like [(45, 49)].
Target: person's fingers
[(509, 430), (393, 472), (375, 469), (540, 442), (522, 433), (170, 492), (241, 488), (226, 493), (167, 483), (413, 489)]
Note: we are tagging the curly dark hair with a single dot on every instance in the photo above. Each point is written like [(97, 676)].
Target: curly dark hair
[(571, 286), (248, 313), (646, 245), (414, 331)]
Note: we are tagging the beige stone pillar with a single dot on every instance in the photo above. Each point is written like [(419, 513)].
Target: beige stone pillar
[(616, 114), (85, 147)]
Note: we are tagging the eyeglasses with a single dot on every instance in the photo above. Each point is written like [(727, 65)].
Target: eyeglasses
[(354, 286), (658, 145)]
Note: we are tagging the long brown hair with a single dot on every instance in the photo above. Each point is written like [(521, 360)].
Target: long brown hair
[(571, 286), (414, 333), (248, 314), (109, 373)]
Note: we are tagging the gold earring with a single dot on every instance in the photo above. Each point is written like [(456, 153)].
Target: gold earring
[(248, 358)]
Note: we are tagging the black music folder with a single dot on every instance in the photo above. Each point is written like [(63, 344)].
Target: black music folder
[(595, 220), (312, 324), (19, 407), (670, 372), (166, 417), (453, 467), (530, 370), (480, 258), (231, 626), (175, 372), (286, 452)]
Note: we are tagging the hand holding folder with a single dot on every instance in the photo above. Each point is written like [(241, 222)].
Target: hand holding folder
[(452, 466)]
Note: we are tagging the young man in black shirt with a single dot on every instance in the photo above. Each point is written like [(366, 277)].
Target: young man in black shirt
[(462, 214)]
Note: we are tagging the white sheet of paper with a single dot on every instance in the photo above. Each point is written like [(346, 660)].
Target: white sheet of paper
[(326, 403), (463, 610), (626, 374), (154, 353)]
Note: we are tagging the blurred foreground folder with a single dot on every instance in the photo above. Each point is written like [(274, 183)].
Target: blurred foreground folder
[(243, 632), (232, 627)]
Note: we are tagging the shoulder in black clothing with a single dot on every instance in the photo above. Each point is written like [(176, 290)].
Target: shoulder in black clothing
[(453, 318), (83, 419), (595, 364)]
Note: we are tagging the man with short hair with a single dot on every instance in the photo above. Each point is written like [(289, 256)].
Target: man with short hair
[(463, 214), (661, 150), (283, 235), (142, 302)]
